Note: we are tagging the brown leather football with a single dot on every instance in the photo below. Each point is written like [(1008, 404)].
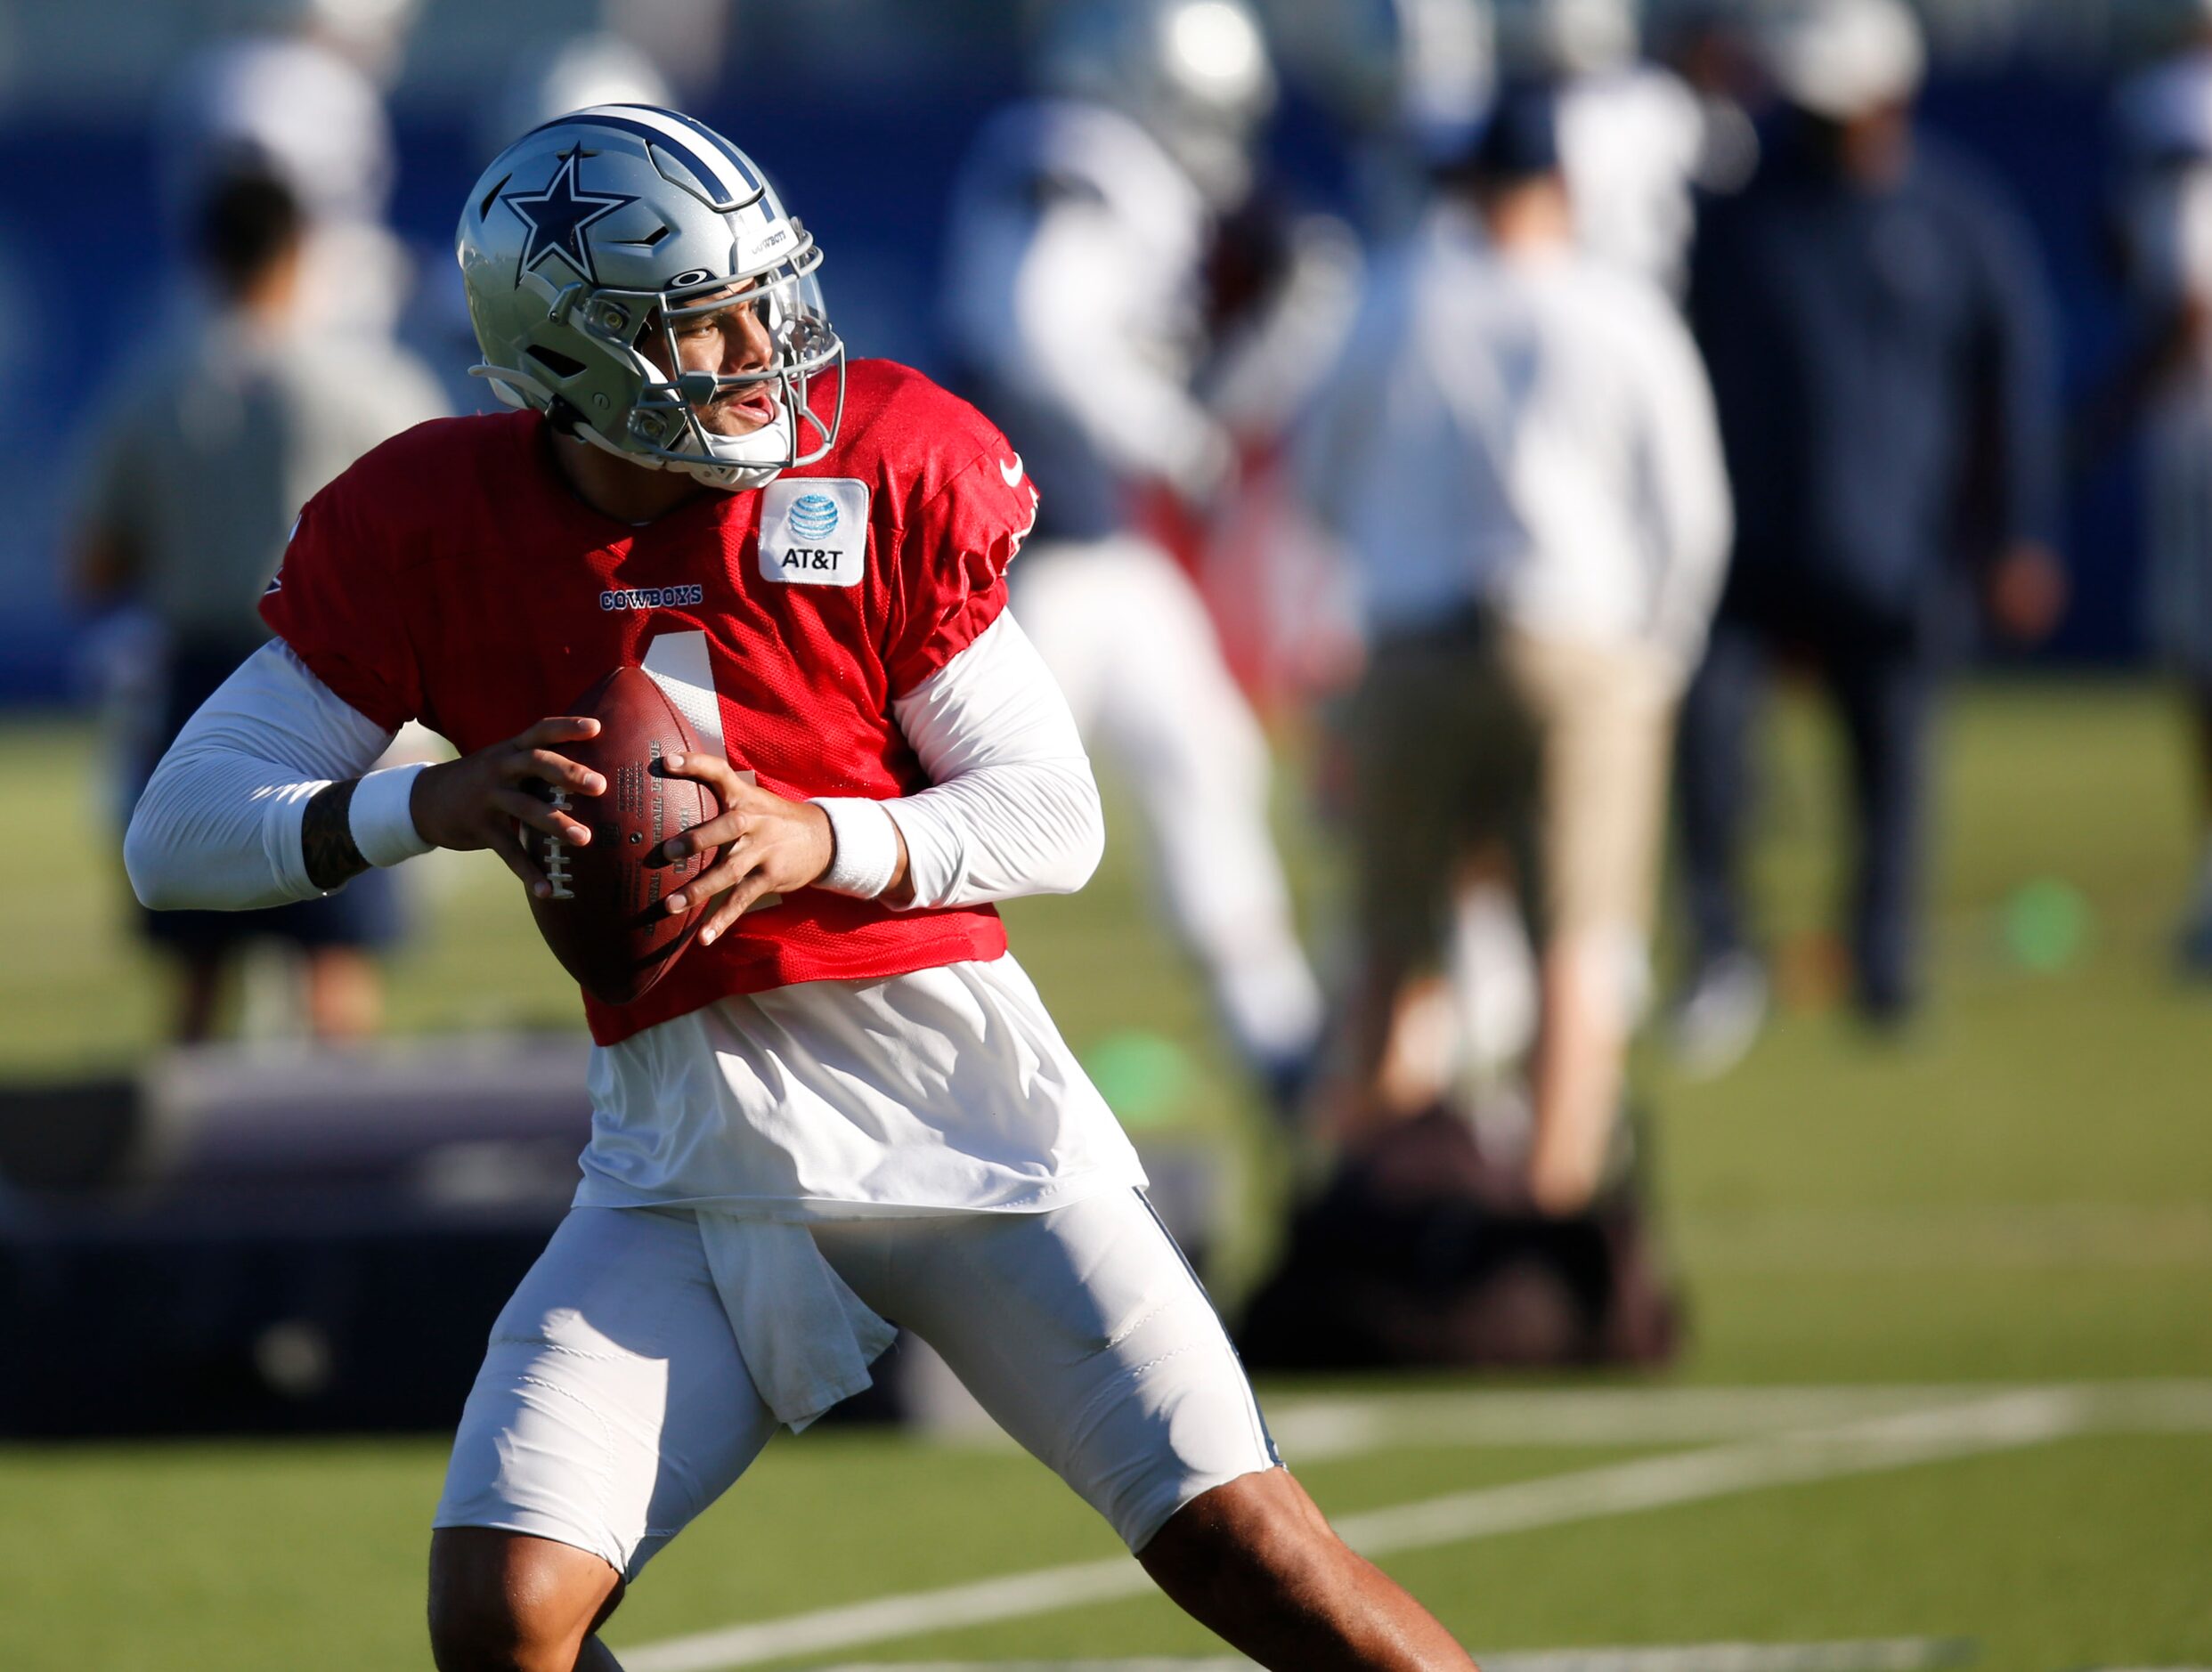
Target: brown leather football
[(604, 920)]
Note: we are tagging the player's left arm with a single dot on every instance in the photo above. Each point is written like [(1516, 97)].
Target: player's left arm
[(1012, 808)]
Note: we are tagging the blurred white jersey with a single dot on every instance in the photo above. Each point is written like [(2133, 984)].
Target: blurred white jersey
[(292, 106), (1071, 294), (2165, 121), (314, 120), (1630, 143)]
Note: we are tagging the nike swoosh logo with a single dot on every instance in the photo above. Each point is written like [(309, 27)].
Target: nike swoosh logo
[(1011, 474)]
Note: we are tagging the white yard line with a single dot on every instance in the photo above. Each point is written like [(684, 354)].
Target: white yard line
[(1313, 1430), (1134, 1663), (1043, 1591), (1891, 1654), (2004, 1424), (1953, 1425)]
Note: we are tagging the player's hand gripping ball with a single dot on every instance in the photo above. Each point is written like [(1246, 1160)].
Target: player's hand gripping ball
[(603, 909)]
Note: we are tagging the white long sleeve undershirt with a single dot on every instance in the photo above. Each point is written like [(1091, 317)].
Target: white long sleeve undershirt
[(1011, 808)]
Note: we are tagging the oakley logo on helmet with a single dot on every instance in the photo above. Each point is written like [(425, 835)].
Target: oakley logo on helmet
[(556, 217), (694, 276), (813, 516)]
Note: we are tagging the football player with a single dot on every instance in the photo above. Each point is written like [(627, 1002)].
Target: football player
[(844, 1104), (301, 97), (1079, 226)]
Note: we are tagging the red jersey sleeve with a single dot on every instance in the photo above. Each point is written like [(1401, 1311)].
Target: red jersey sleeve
[(335, 603), (953, 563)]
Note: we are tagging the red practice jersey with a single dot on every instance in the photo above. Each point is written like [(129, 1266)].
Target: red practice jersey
[(451, 576)]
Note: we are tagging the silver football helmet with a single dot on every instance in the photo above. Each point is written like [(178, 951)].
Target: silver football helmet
[(624, 220), (1543, 39), (1195, 73)]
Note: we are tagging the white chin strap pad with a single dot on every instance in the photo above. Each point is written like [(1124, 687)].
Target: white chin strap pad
[(746, 461)]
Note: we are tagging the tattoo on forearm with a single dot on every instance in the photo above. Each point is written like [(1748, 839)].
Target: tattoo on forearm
[(326, 836)]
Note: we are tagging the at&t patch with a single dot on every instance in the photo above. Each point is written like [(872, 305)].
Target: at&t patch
[(814, 532)]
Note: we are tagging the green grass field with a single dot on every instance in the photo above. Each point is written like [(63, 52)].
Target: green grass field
[(1951, 1377)]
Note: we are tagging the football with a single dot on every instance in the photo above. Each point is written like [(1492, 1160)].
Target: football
[(604, 919)]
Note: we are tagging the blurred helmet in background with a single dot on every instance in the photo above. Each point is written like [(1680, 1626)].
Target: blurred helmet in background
[(570, 75), (1421, 71), (282, 106), (1194, 73), (1546, 39), (370, 33), (1841, 59), (618, 221)]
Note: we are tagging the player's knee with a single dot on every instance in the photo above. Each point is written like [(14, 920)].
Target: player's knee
[(499, 1602), (1256, 1543)]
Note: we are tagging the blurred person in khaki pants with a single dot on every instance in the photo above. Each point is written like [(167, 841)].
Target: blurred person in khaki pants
[(210, 442), (1882, 354), (1522, 459)]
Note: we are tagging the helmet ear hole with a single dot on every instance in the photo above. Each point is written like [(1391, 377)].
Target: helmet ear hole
[(559, 364)]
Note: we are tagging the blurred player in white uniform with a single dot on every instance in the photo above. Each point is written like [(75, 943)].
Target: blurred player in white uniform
[(2165, 121), (1080, 223), (1407, 81), (300, 98)]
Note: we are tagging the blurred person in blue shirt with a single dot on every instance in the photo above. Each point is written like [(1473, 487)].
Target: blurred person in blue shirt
[(212, 439), (1882, 354)]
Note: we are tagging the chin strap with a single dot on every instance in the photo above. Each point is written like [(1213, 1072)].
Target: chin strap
[(514, 388), (736, 467)]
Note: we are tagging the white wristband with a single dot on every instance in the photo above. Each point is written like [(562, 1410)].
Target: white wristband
[(867, 847), (382, 823)]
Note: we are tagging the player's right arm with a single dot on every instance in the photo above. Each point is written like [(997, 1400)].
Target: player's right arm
[(266, 796)]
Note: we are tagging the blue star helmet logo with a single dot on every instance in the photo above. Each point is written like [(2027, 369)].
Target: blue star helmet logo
[(556, 217)]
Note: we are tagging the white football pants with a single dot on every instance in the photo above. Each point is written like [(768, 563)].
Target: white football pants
[(614, 1403)]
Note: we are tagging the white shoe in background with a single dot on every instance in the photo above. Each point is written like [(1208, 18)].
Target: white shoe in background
[(1721, 1014)]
